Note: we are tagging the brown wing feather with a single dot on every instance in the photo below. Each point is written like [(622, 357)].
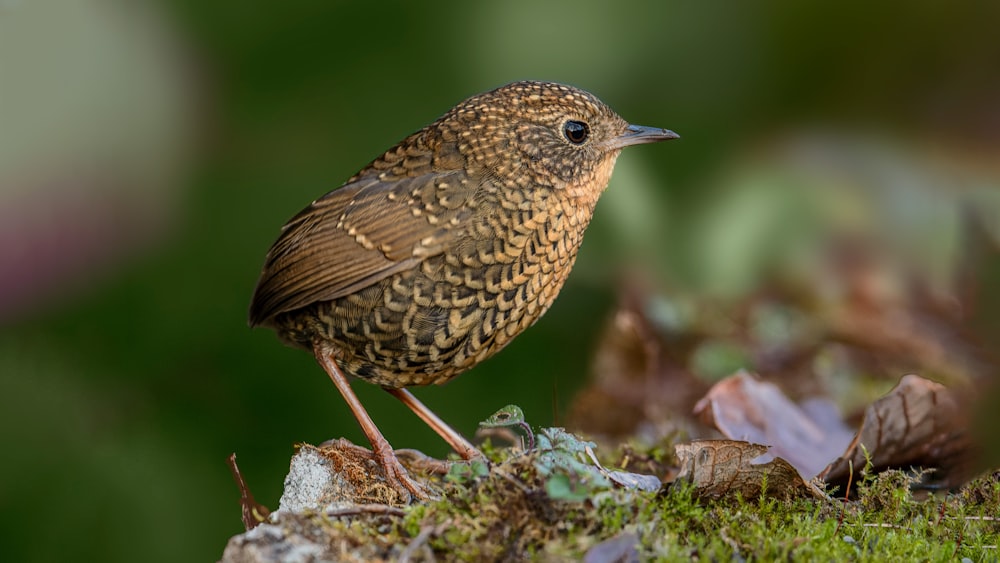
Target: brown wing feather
[(357, 235)]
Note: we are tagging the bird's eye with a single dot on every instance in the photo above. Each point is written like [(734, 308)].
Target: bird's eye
[(576, 132)]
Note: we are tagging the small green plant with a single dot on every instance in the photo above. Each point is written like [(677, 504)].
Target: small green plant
[(463, 473), (562, 461), (509, 416)]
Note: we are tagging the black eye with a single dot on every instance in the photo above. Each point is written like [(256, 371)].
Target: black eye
[(576, 131)]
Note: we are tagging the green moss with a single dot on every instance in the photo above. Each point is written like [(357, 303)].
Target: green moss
[(506, 513)]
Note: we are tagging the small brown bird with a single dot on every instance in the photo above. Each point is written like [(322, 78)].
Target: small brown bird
[(437, 254)]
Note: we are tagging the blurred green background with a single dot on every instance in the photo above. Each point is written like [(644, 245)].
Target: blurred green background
[(150, 152)]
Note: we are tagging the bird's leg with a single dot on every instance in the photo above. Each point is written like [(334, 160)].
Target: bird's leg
[(458, 443), (395, 473)]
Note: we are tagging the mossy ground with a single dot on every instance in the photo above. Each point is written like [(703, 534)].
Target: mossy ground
[(507, 513)]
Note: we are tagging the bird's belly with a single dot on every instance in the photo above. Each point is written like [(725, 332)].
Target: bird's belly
[(431, 323)]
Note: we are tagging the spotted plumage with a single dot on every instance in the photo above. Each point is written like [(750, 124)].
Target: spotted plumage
[(439, 252)]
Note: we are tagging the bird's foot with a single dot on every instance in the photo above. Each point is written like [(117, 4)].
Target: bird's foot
[(396, 476), (423, 463)]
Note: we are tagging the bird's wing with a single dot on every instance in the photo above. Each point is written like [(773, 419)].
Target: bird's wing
[(357, 235)]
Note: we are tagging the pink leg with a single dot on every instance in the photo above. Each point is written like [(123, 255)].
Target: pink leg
[(394, 471), (461, 446)]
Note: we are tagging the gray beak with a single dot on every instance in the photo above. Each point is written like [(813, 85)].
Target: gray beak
[(639, 135)]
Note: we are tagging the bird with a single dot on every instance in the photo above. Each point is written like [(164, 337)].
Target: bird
[(439, 252)]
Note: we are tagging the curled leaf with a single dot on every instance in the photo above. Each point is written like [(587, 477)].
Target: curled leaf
[(719, 468), (743, 407), (919, 422)]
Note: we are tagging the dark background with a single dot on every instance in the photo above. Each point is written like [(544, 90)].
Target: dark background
[(150, 152)]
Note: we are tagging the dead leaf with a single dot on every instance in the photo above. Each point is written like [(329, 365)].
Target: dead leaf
[(640, 378), (626, 479), (721, 468), (896, 323), (743, 407), (919, 422), (622, 548)]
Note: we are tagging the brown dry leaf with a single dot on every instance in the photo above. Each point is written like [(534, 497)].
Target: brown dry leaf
[(725, 467), (640, 380), (743, 407), (902, 323), (919, 422)]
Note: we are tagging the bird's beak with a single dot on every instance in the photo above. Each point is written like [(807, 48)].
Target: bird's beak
[(639, 135)]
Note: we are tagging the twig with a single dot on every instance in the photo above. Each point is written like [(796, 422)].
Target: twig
[(847, 495), (982, 518), (357, 510), (252, 512), (417, 543)]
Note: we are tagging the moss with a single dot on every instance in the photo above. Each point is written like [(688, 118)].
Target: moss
[(505, 513)]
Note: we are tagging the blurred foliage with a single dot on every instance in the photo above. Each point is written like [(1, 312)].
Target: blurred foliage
[(127, 380)]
